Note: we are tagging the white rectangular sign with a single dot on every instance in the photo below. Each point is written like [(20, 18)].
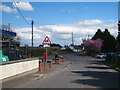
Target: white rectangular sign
[(46, 45)]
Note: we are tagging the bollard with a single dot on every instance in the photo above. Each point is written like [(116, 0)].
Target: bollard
[(49, 64), (45, 66), (41, 66), (57, 61)]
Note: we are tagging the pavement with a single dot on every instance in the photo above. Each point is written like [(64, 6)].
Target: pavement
[(37, 75), (78, 72)]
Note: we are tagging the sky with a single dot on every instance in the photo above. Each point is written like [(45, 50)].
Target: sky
[(62, 0), (58, 19)]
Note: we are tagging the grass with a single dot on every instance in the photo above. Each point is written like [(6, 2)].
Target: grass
[(39, 51), (117, 67), (67, 51)]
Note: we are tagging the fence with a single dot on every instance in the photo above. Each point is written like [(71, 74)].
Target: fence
[(113, 58)]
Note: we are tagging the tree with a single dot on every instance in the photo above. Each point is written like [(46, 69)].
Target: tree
[(118, 37), (92, 46), (98, 35), (58, 45), (118, 42), (109, 42)]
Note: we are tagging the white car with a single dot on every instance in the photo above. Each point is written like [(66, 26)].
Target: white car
[(101, 55)]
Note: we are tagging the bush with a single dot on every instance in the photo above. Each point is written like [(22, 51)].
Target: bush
[(113, 58)]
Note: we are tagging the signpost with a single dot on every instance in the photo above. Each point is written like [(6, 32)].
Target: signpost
[(46, 43)]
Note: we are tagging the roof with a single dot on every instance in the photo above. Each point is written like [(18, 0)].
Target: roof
[(7, 32)]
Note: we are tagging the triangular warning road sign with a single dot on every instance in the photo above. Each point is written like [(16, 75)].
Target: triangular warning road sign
[(46, 40)]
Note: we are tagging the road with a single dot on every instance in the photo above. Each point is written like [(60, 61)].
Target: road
[(82, 72)]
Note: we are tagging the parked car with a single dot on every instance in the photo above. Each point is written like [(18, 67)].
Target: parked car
[(101, 55)]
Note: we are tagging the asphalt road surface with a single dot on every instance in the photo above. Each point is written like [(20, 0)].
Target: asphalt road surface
[(82, 72)]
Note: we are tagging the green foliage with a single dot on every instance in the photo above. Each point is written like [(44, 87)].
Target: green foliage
[(55, 45), (98, 35), (109, 42), (118, 37), (118, 40), (66, 51), (37, 52)]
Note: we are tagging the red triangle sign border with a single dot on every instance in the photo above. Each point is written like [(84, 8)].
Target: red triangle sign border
[(49, 42)]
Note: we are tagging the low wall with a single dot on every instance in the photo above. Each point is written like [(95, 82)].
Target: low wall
[(12, 68)]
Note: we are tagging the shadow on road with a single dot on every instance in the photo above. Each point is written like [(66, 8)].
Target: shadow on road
[(99, 79), (78, 54), (98, 62), (93, 67)]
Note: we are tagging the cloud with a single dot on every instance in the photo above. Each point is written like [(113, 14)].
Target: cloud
[(17, 17), (29, 19), (69, 10), (84, 27), (7, 9), (91, 22), (25, 35), (62, 33), (26, 6)]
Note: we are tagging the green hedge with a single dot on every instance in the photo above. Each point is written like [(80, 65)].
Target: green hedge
[(113, 59)]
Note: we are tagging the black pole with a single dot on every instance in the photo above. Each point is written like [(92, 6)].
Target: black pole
[(72, 39), (88, 37), (9, 25), (118, 26), (32, 31), (118, 40)]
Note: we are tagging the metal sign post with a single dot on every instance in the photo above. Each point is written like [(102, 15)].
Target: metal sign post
[(46, 43), (46, 55)]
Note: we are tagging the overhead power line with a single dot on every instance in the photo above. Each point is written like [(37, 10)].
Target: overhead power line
[(21, 13)]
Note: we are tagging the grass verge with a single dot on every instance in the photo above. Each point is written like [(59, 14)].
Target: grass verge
[(116, 67)]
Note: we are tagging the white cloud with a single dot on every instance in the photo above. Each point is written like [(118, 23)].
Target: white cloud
[(65, 36), (25, 35), (69, 10), (62, 33), (26, 6), (7, 9), (29, 19), (17, 17), (91, 22), (82, 27)]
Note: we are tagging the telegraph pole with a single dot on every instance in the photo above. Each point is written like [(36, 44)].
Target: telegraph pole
[(88, 37), (9, 24), (32, 31), (72, 39)]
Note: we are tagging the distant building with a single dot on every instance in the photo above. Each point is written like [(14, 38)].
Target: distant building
[(63, 48), (79, 47)]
